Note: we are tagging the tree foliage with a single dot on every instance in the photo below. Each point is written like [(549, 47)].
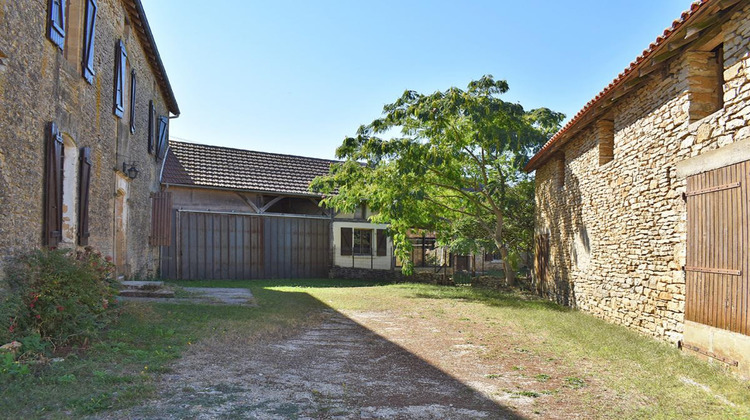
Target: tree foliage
[(452, 164)]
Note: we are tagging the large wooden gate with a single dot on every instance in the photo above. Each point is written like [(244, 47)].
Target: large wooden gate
[(240, 246), (717, 287)]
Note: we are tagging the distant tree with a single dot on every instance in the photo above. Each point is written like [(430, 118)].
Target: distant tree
[(452, 165)]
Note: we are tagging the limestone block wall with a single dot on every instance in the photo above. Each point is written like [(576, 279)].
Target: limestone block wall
[(617, 229), (40, 84)]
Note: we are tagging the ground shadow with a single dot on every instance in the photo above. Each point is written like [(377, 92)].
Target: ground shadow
[(335, 368)]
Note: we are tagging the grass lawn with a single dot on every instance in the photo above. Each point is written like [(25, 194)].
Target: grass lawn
[(646, 378)]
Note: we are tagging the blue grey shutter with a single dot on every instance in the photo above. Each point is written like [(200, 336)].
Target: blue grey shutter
[(53, 187), (151, 128), (132, 101), (89, 32), (161, 146), (120, 64), (84, 182), (56, 22)]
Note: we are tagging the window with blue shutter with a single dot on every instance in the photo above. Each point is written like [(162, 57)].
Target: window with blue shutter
[(163, 138), (120, 64), (56, 22), (89, 31), (132, 101)]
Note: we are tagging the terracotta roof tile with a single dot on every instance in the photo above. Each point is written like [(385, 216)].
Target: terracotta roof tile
[(536, 160), (223, 167)]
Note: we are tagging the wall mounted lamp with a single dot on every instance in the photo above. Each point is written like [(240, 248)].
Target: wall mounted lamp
[(130, 170)]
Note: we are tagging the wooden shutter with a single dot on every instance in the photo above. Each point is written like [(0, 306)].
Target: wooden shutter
[(151, 122), (53, 187), (56, 22), (89, 32), (120, 63), (161, 145), (346, 241), (382, 239), (161, 219), (132, 101), (84, 182)]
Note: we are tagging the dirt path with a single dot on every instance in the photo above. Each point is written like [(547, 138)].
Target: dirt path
[(336, 370)]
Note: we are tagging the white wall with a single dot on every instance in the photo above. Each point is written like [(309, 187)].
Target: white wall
[(361, 261)]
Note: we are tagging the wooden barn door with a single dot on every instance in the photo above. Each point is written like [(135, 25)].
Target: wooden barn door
[(717, 287), (239, 246)]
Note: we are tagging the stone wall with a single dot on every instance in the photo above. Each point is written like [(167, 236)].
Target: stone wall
[(40, 84), (617, 229)]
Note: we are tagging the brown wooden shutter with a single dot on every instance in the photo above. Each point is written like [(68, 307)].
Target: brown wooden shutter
[(132, 101), (53, 187), (382, 243), (84, 182), (151, 122), (346, 241), (56, 22), (120, 64), (89, 32), (161, 145), (161, 219)]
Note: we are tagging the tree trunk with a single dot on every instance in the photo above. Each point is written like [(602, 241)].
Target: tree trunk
[(510, 275)]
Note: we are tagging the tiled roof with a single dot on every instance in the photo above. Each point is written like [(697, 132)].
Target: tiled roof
[(561, 136), (223, 167)]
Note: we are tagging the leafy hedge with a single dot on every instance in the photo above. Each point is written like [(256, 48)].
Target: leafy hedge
[(64, 297)]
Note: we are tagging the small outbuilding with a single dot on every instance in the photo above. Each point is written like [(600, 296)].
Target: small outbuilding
[(228, 213)]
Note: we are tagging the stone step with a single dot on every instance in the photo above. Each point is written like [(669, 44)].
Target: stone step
[(163, 293), (142, 285)]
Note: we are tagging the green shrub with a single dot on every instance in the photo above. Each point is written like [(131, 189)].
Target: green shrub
[(63, 297)]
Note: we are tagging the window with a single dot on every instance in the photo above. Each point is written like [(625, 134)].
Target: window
[(362, 242), (56, 22), (356, 241), (120, 63), (87, 63), (53, 187), (132, 101)]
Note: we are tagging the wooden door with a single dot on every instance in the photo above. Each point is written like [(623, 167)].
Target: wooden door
[(717, 289)]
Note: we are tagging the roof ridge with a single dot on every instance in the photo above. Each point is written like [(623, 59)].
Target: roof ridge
[(211, 146)]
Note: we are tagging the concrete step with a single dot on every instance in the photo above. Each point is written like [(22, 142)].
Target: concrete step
[(142, 285), (162, 293)]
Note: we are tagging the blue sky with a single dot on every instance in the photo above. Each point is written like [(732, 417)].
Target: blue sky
[(296, 77)]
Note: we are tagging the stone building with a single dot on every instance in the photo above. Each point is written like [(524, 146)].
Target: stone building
[(84, 112), (642, 198)]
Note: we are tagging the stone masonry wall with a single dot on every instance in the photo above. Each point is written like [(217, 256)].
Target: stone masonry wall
[(40, 84), (617, 230)]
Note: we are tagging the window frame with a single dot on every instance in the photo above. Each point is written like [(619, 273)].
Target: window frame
[(358, 244)]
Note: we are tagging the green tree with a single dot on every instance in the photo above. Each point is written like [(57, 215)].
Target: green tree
[(451, 161)]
